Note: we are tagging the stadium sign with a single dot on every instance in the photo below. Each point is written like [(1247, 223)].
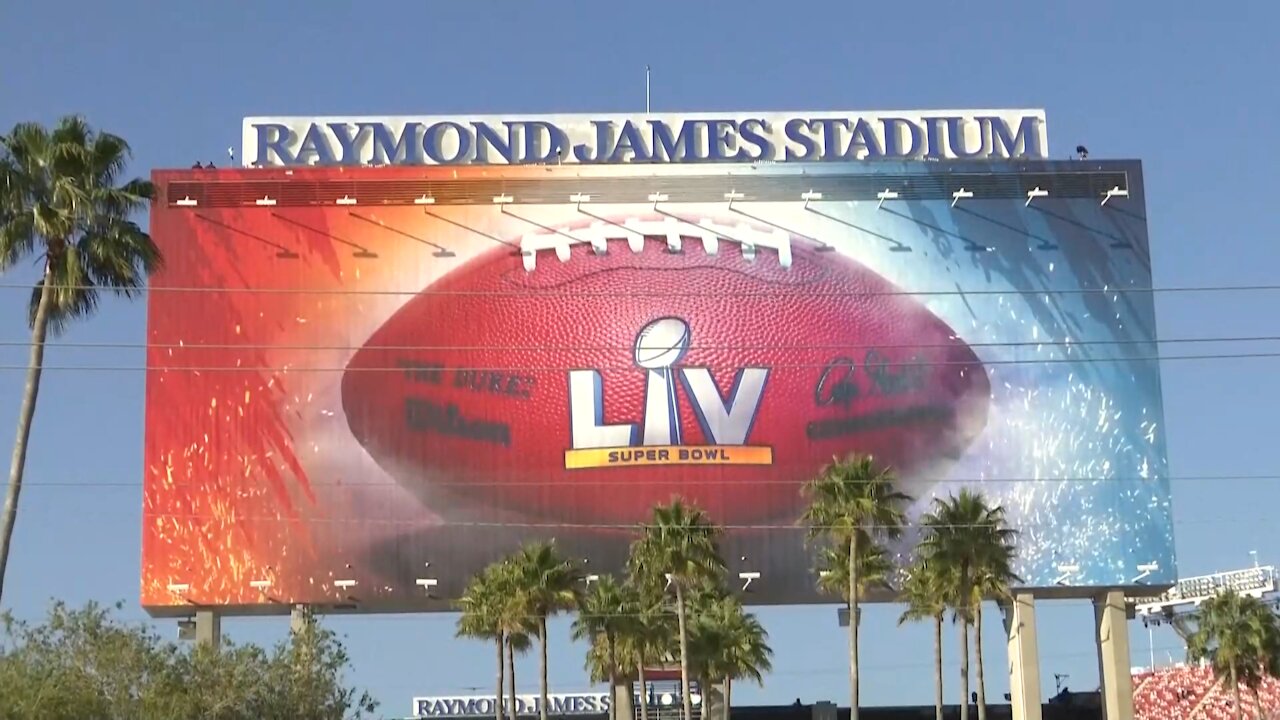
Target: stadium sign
[(483, 705), (657, 138)]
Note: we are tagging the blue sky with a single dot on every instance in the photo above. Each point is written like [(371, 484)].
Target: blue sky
[(1183, 91)]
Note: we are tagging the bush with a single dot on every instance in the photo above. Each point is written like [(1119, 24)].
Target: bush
[(85, 663)]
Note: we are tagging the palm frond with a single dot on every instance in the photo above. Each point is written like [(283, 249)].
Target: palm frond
[(61, 197), (873, 565), (681, 540), (17, 239), (970, 542)]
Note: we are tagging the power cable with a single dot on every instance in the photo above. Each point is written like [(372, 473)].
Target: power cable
[(693, 346), (410, 368), (657, 480), (667, 294), (631, 527)]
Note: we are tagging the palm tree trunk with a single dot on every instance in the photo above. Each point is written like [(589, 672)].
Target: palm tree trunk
[(497, 708), (964, 668), (853, 626), (1257, 703), (728, 690), (684, 655), (977, 652), (26, 413), (644, 690), (511, 679), (1235, 695), (613, 677), (937, 667), (542, 640)]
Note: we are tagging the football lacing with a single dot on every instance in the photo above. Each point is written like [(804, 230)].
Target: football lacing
[(746, 236)]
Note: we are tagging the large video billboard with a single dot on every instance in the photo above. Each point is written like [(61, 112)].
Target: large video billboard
[(368, 383)]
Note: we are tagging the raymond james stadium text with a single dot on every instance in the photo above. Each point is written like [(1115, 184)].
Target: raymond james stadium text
[(646, 139)]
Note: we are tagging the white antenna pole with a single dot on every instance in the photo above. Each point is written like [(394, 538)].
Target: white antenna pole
[(646, 89)]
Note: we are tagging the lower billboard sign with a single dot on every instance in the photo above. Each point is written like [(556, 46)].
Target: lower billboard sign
[(367, 383), (558, 704)]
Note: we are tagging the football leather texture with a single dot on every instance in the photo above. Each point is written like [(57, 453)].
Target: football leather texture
[(463, 395)]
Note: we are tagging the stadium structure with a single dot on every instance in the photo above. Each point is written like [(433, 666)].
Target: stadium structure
[(386, 351)]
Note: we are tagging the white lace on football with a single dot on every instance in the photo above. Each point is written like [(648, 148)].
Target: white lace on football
[(747, 237)]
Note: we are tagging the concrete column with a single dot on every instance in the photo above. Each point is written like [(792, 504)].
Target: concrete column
[(1112, 621), (623, 700), (712, 707), (299, 619), (1024, 657), (209, 628)]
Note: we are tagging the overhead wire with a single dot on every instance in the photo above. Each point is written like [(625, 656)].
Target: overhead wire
[(693, 346), (657, 480), (1106, 290), (558, 368), (419, 524)]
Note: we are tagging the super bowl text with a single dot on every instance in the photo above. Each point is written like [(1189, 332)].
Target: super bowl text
[(725, 419)]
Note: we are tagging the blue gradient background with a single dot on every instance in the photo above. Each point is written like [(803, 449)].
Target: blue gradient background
[(1012, 275)]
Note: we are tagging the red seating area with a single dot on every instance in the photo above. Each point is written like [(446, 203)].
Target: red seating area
[(1192, 693)]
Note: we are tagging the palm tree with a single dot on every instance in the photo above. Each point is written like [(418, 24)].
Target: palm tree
[(730, 643), (1240, 637), (644, 635), (518, 643), (514, 622), (852, 503), (873, 570), (61, 196), (482, 606), (925, 593), (973, 545), (601, 620), (681, 544), (545, 584)]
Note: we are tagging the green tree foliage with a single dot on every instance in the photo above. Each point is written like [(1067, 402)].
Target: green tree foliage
[(925, 592), (673, 603), (726, 643), (84, 663), (873, 570), (680, 543), (493, 609), (648, 633), (63, 200), (971, 544), (544, 584), (1240, 637), (601, 621), (853, 503), (484, 606)]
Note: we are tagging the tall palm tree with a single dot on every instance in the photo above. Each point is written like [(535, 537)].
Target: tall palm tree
[(851, 503), (973, 545), (62, 198), (682, 544), (601, 620), (518, 643), (1240, 637), (925, 594), (730, 644), (645, 635), (546, 584), (481, 604), (514, 623)]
